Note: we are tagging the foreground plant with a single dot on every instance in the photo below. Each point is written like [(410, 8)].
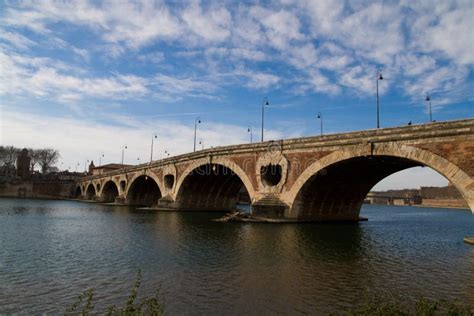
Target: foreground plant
[(147, 306)]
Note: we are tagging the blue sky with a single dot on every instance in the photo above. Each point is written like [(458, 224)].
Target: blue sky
[(88, 77)]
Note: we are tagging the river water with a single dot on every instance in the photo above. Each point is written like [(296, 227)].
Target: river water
[(51, 251)]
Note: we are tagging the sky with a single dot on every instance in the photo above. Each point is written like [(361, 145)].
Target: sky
[(89, 77)]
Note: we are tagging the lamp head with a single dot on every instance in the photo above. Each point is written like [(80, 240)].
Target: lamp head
[(427, 98), (267, 103), (380, 77)]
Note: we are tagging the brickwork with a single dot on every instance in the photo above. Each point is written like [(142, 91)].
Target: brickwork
[(320, 178)]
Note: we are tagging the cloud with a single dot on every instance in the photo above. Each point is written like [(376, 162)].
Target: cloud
[(20, 75), (320, 83), (75, 147), (213, 25), (17, 40), (322, 46), (178, 87), (154, 58), (259, 80), (443, 27), (280, 27)]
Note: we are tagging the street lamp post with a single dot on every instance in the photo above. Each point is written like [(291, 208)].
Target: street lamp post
[(100, 159), (85, 165), (428, 99), (379, 77), (264, 103), (123, 152), (197, 121), (166, 154), (155, 135), (249, 130), (320, 116), (138, 159), (78, 164), (201, 142)]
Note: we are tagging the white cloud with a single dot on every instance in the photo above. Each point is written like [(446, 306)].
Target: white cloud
[(281, 27), (303, 56), (361, 79), (19, 41), (329, 46), (20, 75), (447, 83), (237, 53), (259, 80), (179, 87), (76, 147), (213, 25), (320, 83)]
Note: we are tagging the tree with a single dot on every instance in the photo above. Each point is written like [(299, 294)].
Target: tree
[(47, 158), (34, 158), (8, 155)]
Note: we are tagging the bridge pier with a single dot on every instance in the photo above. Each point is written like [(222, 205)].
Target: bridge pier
[(270, 206)]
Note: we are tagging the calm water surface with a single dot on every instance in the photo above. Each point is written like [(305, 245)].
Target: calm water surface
[(51, 251)]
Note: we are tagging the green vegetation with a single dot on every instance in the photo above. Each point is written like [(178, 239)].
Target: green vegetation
[(154, 306), (147, 306), (422, 307)]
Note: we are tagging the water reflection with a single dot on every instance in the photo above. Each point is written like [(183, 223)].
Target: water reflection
[(53, 250)]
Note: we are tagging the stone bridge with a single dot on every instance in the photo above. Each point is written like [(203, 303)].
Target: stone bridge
[(313, 178)]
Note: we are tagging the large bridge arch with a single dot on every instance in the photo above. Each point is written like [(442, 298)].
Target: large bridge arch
[(335, 186), (143, 190), (212, 184)]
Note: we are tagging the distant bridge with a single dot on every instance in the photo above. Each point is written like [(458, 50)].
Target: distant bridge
[(312, 178)]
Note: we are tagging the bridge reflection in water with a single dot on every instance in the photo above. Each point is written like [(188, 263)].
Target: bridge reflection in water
[(315, 178)]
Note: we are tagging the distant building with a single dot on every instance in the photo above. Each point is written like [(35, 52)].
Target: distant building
[(91, 167), (23, 164), (106, 168)]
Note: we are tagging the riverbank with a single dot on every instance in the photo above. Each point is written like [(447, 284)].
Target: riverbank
[(37, 188)]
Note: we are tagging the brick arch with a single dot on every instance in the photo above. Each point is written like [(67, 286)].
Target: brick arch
[(218, 191), (90, 191), (459, 178), (148, 199), (105, 187), (130, 182), (78, 191), (228, 163)]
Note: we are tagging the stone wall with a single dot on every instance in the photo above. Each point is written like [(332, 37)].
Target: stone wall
[(37, 188)]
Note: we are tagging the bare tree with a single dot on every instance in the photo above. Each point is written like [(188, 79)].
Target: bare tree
[(8, 155), (47, 158), (34, 158)]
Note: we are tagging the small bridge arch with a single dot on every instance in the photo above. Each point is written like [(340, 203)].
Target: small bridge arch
[(90, 191), (78, 191)]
